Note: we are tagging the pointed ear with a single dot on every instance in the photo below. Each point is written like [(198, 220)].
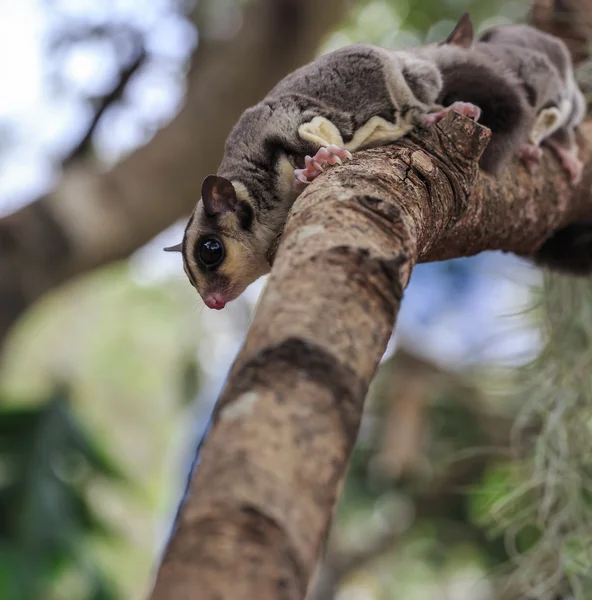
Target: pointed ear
[(218, 195), (463, 33), (176, 248)]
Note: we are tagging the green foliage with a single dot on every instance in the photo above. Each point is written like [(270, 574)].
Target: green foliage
[(448, 530), (402, 23), (189, 379), (542, 500), (125, 347), (47, 465)]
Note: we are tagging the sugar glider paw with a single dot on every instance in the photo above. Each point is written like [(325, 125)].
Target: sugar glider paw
[(569, 159), (464, 108), (530, 155), (574, 167), (315, 165)]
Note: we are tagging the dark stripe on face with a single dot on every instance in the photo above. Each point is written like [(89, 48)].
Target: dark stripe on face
[(487, 35), (531, 95), (245, 215), (190, 221), (217, 283)]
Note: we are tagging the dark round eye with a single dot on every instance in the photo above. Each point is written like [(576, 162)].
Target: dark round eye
[(211, 252)]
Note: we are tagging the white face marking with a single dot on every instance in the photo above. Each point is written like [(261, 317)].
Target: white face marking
[(245, 260), (242, 193)]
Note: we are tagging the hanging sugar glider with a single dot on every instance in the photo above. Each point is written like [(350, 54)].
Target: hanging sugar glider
[(569, 249), (559, 102), (520, 92), (357, 97), (533, 100)]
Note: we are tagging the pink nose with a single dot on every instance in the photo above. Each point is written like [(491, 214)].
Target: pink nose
[(215, 301)]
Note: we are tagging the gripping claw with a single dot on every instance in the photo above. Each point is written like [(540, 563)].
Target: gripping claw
[(315, 165), (464, 108)]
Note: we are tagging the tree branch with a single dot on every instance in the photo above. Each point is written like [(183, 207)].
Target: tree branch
[(261, 500), (83, 146), (93, 217)]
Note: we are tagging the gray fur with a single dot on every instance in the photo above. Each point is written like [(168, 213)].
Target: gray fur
[(543, 62), (345, 90), (347, 87), (569, 249), (486, 80)]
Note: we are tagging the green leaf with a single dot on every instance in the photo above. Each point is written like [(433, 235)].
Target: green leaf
[(48, 461)]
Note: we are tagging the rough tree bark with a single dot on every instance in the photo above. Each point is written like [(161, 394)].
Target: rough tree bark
[(261, 500), (95, 217)]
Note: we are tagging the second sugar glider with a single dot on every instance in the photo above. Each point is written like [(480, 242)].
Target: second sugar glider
[(525, 94), (532, 98), (357, 97), (560, 104), (569, 249)]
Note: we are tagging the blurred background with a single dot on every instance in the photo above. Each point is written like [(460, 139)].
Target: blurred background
[(111, 114)]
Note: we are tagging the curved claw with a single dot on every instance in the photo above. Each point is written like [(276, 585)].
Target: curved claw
[(300, 176), (464, 108), (339, 152), (312, 164), (315, 165)]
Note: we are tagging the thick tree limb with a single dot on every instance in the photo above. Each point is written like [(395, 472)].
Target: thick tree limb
[(262, 498), (93, 218), (81, 149)]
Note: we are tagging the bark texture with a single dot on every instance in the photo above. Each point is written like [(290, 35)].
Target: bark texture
[(95, 217), (262, 498)]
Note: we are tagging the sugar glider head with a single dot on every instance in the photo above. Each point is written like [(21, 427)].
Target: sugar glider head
[(223, 248)]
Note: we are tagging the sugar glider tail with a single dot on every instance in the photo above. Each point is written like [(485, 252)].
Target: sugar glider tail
[(569, 249)]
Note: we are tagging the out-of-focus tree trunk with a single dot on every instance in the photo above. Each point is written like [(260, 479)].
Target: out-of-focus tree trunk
[(406, 383), (570, 20), (95, 217), (410, 388), (262, 498)]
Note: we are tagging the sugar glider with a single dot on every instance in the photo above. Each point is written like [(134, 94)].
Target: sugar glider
[(356, 97), (526, 96), (560, 104), (562, 108)]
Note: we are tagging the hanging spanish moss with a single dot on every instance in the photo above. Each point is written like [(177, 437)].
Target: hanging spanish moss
[(543, 499)]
